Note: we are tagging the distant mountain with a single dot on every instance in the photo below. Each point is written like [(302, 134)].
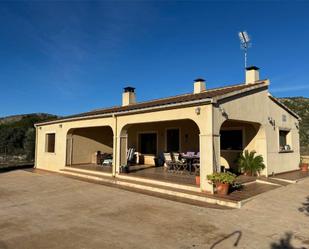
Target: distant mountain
[(300, 105), (16, 118)]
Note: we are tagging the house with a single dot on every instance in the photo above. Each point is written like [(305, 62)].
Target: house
[(218, 123)]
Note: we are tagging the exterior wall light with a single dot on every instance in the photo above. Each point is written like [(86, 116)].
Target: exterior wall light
[(223, 112), (60, 125), (272, 122), (198, 110)]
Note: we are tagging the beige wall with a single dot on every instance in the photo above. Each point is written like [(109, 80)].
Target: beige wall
[(250, 134), (57, 160), (255, 108), (187, 129), (87, 141), (281, 162), (203, 120), (189, 135)]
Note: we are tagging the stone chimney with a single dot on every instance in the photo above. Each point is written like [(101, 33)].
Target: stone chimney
[(199, 86), (128, 96), (252, 74)]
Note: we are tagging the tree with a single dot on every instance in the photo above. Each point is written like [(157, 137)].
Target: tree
[(29, 143)]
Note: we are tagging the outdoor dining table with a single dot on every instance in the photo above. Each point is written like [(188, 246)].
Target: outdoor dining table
[(189, 160)]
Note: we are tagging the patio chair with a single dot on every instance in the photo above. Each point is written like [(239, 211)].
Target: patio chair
[(131, 157), (190, 153), (106, 159), (196, 164), (180, 165), (168, 162)]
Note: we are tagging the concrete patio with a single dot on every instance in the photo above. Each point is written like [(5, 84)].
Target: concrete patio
[(45, 210)]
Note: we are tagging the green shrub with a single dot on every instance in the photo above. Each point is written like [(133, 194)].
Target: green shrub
[(250, 163), (226, 177)]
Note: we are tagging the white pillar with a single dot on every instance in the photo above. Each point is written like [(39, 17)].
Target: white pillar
[(206, 161), (115, 155), (209, 149), (121, 145)]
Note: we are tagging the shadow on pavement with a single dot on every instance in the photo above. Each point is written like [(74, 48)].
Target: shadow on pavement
[(285, 243), (305, 207), (237, 235)]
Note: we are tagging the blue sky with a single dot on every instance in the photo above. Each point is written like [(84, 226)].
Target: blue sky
[(69, 57)]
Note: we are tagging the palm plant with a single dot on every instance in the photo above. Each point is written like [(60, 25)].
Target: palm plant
[(250, 164)]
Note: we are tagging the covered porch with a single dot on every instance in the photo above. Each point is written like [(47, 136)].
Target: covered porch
[(90, 148), (236, 136), (161, 151)]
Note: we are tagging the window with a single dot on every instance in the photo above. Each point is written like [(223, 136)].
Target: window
[(231, 140), (148, 143), (283, 138), (172, 140), (50, 142)]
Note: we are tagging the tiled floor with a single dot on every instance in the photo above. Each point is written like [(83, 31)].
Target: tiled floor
[(293, 175), (94, 167), (161, 174)]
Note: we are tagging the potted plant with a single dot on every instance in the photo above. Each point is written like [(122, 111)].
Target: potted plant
[(222, 181), (250, 164), (303, 166), (197, 177)]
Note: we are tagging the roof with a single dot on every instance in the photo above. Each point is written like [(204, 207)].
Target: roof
[(278, 102), (206, 95)]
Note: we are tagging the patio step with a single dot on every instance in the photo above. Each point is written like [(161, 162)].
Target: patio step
[(163, 191), (275, 181)]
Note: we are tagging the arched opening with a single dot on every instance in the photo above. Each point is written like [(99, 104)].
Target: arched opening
[(90, 148), (145, 149), (237, 136)]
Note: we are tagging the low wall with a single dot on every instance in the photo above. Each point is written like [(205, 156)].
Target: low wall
[(305, 159)]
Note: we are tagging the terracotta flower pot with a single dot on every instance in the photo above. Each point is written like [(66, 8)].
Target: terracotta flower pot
[(222, 188), (304, 167), (197, 180)]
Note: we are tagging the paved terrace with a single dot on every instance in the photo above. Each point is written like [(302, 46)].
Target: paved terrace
[(46, 210)]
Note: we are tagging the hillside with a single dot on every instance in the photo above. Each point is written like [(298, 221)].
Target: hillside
[(17, 134), (17, 118), (300, 105)]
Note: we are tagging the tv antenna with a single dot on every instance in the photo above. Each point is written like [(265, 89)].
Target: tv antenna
[(244, 43)]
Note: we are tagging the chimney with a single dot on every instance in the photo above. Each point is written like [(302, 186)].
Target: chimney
[(128, 96), (252, 74), (199, 86)]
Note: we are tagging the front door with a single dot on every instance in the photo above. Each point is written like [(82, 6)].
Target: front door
[(172, 140)]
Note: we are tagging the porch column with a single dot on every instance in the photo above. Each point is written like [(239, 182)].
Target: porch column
[(69, 150), (206, 161), (121, 158), (217, 152), (209, 148), (115, 155)]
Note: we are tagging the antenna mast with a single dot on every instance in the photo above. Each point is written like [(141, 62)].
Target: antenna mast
[(244, 43)]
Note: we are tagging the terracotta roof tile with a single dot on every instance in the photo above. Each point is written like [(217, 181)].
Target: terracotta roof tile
[(208, 94), (170, 100)]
